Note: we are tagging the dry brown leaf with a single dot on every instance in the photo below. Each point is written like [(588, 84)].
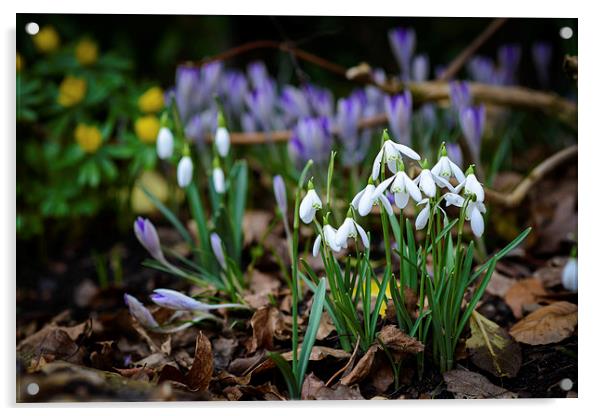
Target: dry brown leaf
[(395, 339), (325, 328), (499, 284), (522, 294), (362, 368), (254, 224), (551, 274), (382, 376), (261, 286), (468, 385), (547, 325), (200, 373), (267, 323), (314, 389), (491, 348)]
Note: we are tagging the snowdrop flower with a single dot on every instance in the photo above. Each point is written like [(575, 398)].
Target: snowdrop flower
[(185, 169), (426, 183), (219, 182), (423, 217), (447, 169), (402, 188), (165, 143), (280, 193), (218, 250), (351, 229), (310, 204), (472, 186), (330, 234), (391, 153), (171, 299), (139, 312), (146, 233), (474, 211), (222, 136), (365, 199), (569, 275)]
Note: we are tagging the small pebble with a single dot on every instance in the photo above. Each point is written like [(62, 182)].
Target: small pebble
[(566, 384)]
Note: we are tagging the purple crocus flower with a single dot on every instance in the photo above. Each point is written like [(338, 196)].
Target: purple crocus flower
[(261, 103), (258, 73), (234, 88), (209, 80), (403, 41), (201, 124), (482, 69), (248, 123), (294, 104), (171, 299), (311, 139), (374, 95), (218, 250), (187, 91), (139, 312), (509, 60), (542, 55), (146, 233), (349, 112), (399, 115), (454, 152), (472, 122), (420, 68), (320, 100), (459, 94), (280, 193)]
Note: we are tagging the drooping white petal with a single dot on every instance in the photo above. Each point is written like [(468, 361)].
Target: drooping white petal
[(366, 202), (412, 189), (344, 232), (222, 141), (376, 165), (409, 152), (356, 199), (316, 248), (330, 234), (422, 218), (219, 182), (184, 173), (383, 186), (401, 199), (473, 186), (386, 204), (453, 199), (570, 274), (362, 234), (442, 182), (310, 203), (426, 183), (457, 172), (476, 222)]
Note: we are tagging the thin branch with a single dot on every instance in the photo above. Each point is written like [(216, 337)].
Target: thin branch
[(514, 198), (457, 64)]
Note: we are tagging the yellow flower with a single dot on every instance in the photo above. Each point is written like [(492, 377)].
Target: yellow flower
[(46, 40), (147, 128), (86, 52), (71, 91), (374, 293), (151, 101), (20, 62), (156, 184), (88, 137)]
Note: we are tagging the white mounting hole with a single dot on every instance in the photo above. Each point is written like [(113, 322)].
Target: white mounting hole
[(32, 28), (566, 32), (33, 389)]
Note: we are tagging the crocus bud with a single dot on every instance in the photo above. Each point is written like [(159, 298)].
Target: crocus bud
[(472, 121), (222, 141), (165, 143), (185, 169), (171, 299), (147, 235), (569, 275), (402, 42), (280, 193), (399, 115), (138, 311), (218, 250)]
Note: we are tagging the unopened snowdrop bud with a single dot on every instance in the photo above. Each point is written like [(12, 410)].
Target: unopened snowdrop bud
[(310, 204), (185, 169), (280, 193), (139, 312), (165, 142), (474, 213), (146, 233), (426, 183), (351, 229), (222, 141), (219, 182), (472, 186), (569, 275), (423, 217), (316, 248), (218, 250)]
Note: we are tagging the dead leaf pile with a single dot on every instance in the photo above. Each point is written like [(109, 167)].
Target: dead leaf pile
[(547, 325)]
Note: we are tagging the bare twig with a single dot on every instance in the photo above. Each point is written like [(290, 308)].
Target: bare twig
[(470, 50), (514, 198)]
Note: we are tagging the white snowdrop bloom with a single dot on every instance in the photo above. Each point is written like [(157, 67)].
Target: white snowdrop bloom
[(330, 234), (423, 217), (165, 143), (453, 199), (426, 183), (309, 205), (474, 212), (350, 229), (222, 141), (402, 188), (447, 169), (473, 186), (391, 152), (365, 199), (316, 248), (219, 182), (185, 169), (569, 275)]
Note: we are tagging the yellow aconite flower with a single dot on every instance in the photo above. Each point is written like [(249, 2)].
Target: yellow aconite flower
[(374, 293), (147, 128), (88, 138), (151, 101), (71, 91), (20, 62), (46, 40), (86, 52), (156, 184)]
